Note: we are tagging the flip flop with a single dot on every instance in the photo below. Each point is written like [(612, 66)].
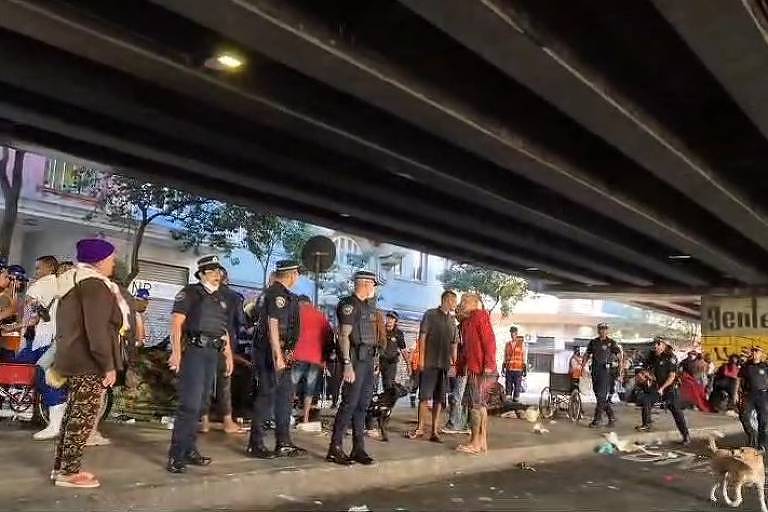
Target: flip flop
[(80, 480), (414, 434), (462, 448), (434, 438)]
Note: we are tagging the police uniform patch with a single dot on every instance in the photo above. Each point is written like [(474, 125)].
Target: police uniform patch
[(280, 302), (347, 309)]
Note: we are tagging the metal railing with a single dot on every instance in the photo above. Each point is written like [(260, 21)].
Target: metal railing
[(71, 179)]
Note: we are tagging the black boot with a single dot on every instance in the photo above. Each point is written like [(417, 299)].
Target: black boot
[(176, 466), (289, 450), (259, 452), (358, 455), (337, 456), (194, 458)]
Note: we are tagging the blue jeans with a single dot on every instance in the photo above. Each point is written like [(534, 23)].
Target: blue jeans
[(513, 380), (309, 372), (457, 417), (196, 376)]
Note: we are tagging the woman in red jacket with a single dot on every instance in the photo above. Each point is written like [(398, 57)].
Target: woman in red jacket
[(478, 362)]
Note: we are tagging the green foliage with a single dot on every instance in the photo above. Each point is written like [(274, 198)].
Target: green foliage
[(500, 288), (135, 204)]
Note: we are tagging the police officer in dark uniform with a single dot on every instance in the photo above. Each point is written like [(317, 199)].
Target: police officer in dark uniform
[(394, 348), (277, 332), (753, 381), (201, 318), (663, 386), (358, 347), (604, 352)]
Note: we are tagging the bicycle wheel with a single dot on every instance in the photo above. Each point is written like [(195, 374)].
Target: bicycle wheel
[(546, 406), (575, 406)]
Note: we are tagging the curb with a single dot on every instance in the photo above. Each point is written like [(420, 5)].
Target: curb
[(268, 488)]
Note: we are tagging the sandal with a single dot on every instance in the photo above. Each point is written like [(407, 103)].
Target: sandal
[(465, 448), (434, 438), (80, 480), (414, 434)]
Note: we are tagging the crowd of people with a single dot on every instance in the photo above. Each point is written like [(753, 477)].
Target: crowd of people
[(82, 329)]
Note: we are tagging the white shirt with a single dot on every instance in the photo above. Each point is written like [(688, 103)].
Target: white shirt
[(44, 291)]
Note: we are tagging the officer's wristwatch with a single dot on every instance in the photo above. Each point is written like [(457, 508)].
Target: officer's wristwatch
[(347, 361)]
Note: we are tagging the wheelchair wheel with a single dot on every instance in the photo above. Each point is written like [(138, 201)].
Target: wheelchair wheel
[(21, 399), (546, 404), (575, 406)]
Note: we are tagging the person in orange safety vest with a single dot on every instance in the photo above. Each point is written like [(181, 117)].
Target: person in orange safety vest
[(514, 364)]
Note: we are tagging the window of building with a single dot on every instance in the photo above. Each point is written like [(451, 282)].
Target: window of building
[(68, 178), (348, 252), (420, 267)]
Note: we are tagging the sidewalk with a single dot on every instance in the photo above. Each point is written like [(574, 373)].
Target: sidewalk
[(133, 475)]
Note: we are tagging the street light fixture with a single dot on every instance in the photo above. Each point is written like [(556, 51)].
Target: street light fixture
[(224, 61)]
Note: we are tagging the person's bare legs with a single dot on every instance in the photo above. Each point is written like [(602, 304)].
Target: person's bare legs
[(483, 443), (475, 425), (307, 408), (436, 410), (229, 425), (423, 413)]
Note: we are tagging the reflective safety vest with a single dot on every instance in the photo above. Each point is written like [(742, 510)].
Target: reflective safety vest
[(514, 356)]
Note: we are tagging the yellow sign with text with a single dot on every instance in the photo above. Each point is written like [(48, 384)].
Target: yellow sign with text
[(733, 325)]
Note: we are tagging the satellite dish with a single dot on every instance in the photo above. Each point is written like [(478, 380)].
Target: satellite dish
[(318, 255)]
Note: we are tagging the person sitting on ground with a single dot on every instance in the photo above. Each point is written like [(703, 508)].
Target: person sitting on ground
[(314, 334), (478, 362), (727, 379)]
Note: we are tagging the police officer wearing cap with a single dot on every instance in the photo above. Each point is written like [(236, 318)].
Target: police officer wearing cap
[(358, 347), (276, 336), (603, 352), (201, 316), (663, 386), (753, 382), (394, 348)]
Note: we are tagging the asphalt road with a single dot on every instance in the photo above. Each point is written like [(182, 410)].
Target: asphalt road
[(599, 482)]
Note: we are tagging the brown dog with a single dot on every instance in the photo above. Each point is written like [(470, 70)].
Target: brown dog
[(739, 467)]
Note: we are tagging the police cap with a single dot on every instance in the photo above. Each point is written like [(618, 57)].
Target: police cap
[(602, 325), (208, 263), (366, 275), (393, 314), (286, 265), (17, 272)]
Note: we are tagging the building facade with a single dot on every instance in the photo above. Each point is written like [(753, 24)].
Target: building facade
[(59, 205)]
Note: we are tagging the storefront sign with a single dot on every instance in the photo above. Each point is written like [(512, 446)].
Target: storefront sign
[(156, 289), (732, 325)]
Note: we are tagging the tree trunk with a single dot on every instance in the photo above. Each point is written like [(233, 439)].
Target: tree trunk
[(11, 192), (137, 240)]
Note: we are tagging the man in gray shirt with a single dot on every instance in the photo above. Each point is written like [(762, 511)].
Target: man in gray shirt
[(438, 338)]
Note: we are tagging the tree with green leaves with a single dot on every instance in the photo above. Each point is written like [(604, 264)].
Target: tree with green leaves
[(135, 204), (264, 235), (500, 288), (11, 187)]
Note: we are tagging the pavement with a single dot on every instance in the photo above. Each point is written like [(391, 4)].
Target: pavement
[(594, 482), (133, 477)]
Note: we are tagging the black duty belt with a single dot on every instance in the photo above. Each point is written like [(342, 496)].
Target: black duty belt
[(205, 341)]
